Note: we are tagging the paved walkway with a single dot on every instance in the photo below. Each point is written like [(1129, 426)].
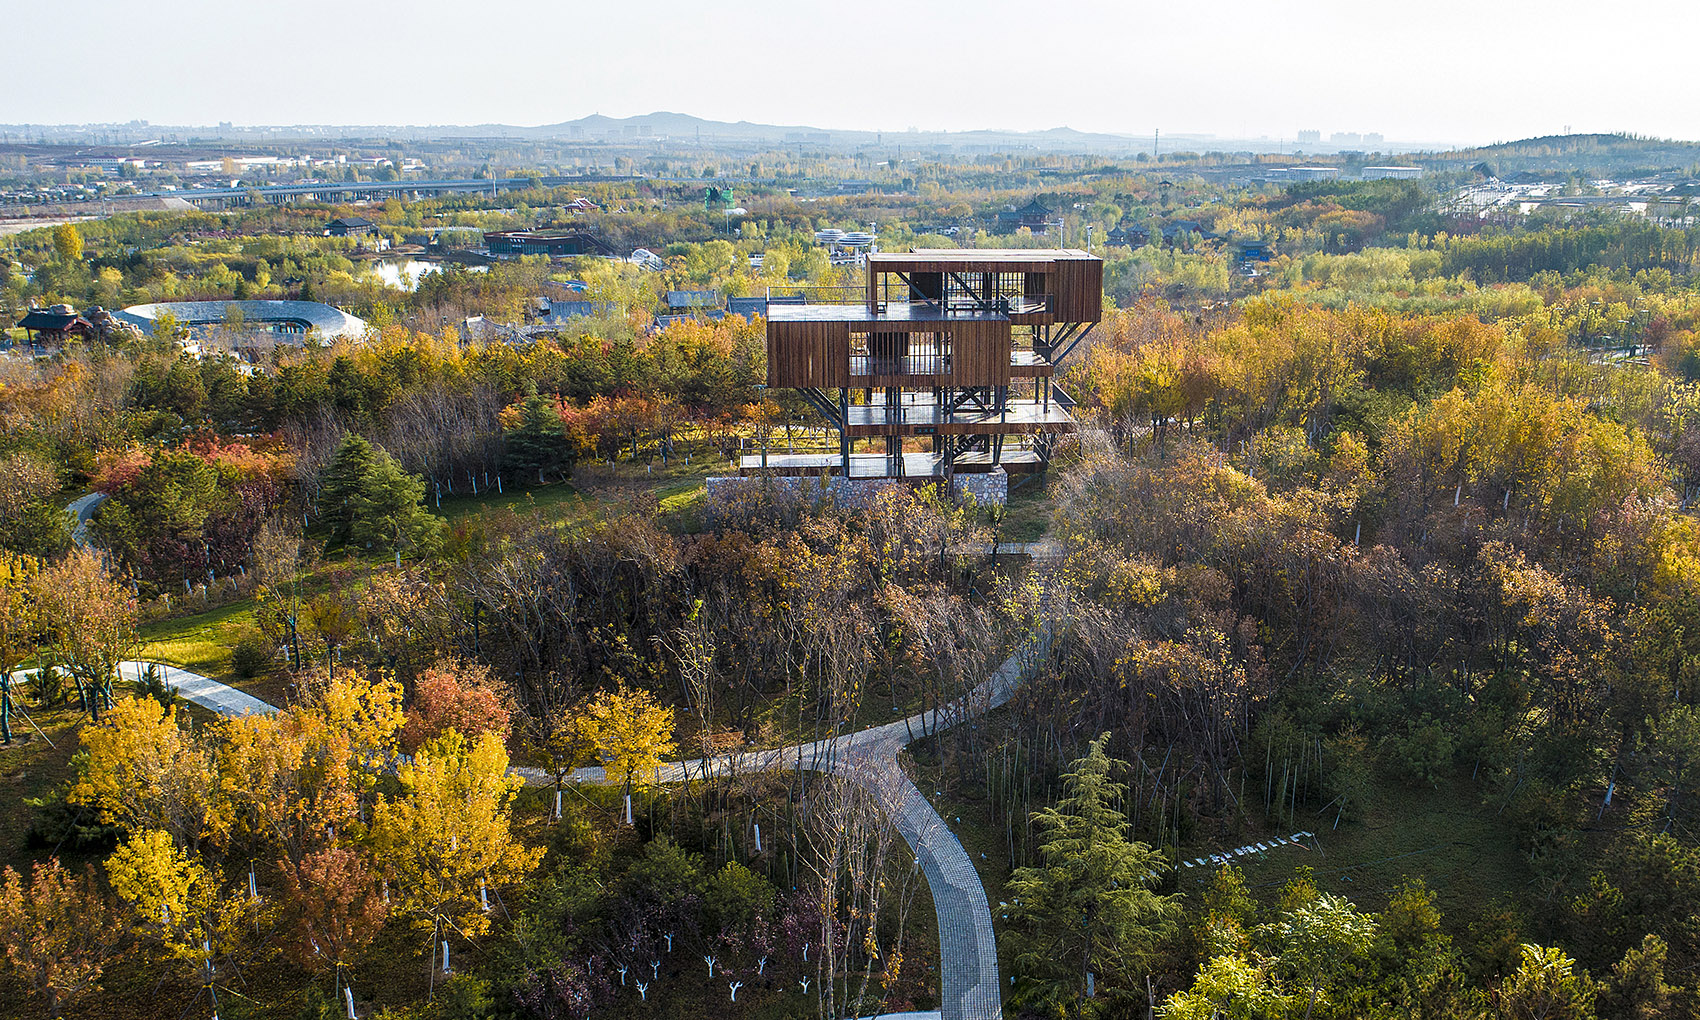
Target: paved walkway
[(203, 691), (83, 508), (968, 954)]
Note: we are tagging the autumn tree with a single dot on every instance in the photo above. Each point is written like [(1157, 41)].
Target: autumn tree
[(179, 903), (557, 743), (633, 733), (452, 694), (91, 618), (861, 872), (448, 838), (17, 629), (58, 931), (334, 622), (299, 781), (68, 242), (143, 771), (336, 909)]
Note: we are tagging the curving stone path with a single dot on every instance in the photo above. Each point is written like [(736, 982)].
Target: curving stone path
[(970, 988), (82, 508)]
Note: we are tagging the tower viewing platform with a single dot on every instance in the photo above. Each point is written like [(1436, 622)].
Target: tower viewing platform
[(948, 355)]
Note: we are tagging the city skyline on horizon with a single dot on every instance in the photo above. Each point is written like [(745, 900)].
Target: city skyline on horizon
[(138, 129), (1444, 73)]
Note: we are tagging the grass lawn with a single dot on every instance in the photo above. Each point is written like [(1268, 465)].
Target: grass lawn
[(199, 641), (1447, 837), (31, 767), (557, 499), (1028, 514), (677, 488)]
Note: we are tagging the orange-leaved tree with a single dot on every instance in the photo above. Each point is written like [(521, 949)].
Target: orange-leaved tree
[(58, 932), (452, 694), (336, 908)]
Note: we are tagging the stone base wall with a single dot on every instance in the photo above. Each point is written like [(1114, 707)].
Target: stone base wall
[(988, 489)]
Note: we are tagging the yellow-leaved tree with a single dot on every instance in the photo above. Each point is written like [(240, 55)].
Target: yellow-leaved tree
[(142, 771), (178, 903), (633, 733), (299, 781), (449, 837)]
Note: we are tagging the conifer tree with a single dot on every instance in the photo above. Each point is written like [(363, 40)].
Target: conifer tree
[(368, 500), (537, 444), (1086, 908)]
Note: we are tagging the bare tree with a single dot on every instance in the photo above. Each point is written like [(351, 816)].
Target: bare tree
[(866, 879)]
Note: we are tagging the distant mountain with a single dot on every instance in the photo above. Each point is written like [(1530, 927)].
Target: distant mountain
[(662, 127), (682, 125)]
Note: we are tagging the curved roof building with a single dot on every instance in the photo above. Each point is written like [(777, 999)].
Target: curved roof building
[(278, 316)]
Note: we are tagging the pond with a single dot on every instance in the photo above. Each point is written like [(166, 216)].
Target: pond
[(405, 274)]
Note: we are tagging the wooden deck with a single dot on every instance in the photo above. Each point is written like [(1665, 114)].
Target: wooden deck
[(921, 417)]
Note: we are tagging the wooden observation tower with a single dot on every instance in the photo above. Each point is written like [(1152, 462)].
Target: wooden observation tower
[(949, 358)]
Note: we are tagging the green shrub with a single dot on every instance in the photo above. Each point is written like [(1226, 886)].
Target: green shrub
[(46, 687), (251, 655)]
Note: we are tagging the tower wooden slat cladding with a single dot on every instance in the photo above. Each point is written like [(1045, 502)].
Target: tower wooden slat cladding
[(959, 345)]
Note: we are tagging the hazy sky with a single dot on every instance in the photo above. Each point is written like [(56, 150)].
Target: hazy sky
[(1436, 70)]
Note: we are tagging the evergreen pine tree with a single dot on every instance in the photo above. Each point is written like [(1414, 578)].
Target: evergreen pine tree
[(368, 500), (1086, 908), (538, 442)]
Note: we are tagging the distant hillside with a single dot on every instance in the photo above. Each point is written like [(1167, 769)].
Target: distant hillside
[(1602, 153), (682, 125)]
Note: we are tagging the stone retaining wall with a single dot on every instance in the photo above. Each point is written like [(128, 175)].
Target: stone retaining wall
[(988, 489)]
